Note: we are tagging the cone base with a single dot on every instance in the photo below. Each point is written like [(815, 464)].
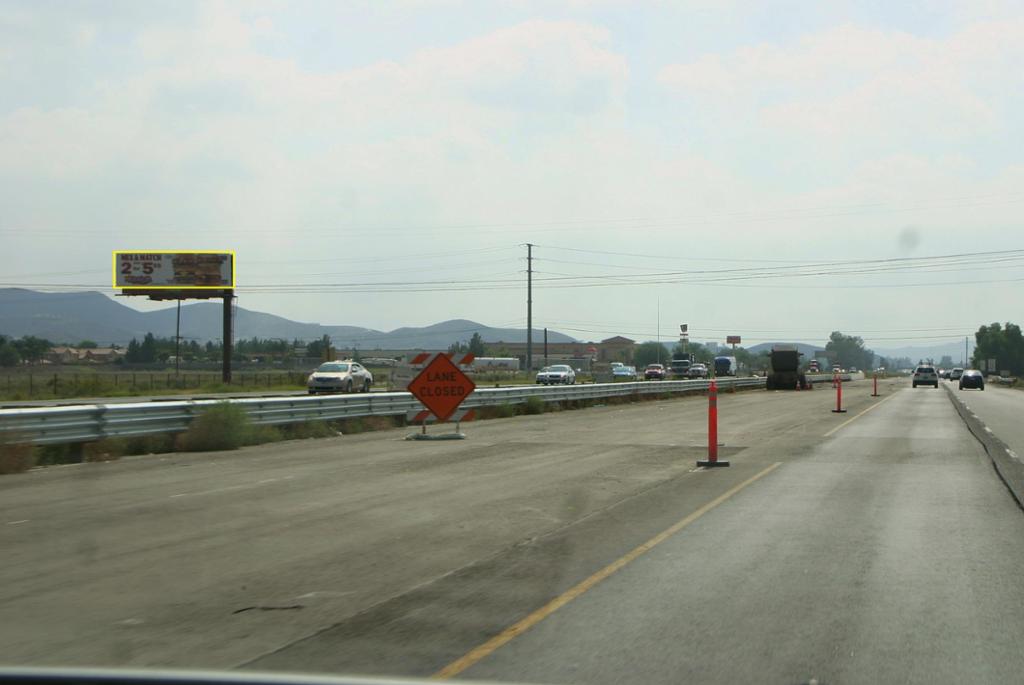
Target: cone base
[(705, 462)]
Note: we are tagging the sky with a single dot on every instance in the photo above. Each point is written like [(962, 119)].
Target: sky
[(770, 170)]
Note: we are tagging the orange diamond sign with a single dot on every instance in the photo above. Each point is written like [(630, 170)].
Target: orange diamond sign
[(441, 387)]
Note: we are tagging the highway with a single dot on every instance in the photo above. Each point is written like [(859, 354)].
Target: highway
[(577, 546), (1000, 408)]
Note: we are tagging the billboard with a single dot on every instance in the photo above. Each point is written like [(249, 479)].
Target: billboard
[(732, 340), (159, 269)]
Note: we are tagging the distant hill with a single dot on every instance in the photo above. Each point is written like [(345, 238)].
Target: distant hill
[(934, 352), (70, 317)]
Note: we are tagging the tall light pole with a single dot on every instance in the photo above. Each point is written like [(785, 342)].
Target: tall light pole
[(529, 308)]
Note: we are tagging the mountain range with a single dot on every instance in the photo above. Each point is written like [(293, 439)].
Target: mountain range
[(71, 317)]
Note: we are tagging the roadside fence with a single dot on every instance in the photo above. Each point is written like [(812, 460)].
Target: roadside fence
[(91, 422)]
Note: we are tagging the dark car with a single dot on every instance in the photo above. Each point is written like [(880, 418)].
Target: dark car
[(972, 379)]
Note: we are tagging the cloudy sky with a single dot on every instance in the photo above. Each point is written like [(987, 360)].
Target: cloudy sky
[(771, 170)]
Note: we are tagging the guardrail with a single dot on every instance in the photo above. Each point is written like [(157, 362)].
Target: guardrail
[(88, 423)]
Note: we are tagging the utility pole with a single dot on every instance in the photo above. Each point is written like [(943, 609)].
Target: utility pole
[(659, 330), (529, 308), (967, 360), (545, 346)]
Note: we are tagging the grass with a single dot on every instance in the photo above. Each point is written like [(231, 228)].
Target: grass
[(533, 405)]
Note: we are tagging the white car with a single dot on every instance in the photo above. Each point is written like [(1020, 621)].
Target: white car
[(697, 371), (339, 376), (559, 373), (925, 375)]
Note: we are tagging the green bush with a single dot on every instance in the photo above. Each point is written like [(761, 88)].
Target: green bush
[(149, 444), (258, 435), (533, 405), (48, 455), (222, 426), (309, 429)]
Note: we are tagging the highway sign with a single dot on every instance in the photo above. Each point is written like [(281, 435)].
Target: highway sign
[(441, 387)]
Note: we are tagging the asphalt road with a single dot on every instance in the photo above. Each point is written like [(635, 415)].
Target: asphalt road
[(891, 553), (999, 408), (885, 549)]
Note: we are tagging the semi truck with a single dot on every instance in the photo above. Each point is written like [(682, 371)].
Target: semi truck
[(680, 366), (726, 366), (785, 373)]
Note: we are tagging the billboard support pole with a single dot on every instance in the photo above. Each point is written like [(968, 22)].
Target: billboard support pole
[(177, 342), (226, 364)]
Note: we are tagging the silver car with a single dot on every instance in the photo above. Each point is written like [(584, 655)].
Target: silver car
[(925, 375), (340, 376), (559, 373)]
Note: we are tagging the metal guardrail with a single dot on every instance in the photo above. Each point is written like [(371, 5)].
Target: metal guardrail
[(87, 423)]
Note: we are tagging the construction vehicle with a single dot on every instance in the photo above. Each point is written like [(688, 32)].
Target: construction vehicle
[(785, 373)]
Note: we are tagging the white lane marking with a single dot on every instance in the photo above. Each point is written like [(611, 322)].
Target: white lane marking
[(14, 523), (987, 429), (1013, 455), (228, 488)]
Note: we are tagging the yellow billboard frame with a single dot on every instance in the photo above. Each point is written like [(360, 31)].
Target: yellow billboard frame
[(113, 258)]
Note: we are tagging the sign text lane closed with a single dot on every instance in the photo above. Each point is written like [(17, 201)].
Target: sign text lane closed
[(441, 387)]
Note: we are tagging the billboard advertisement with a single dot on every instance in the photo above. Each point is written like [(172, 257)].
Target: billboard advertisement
[(174, 270), (732, 340)]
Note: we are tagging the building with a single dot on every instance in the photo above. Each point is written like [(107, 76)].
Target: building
[(73, 355)]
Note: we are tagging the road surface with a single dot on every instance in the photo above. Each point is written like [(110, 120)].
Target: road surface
[(1001, 409), (844, 547)]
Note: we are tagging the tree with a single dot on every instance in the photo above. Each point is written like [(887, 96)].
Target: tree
[(946, 362), (458, 348), (849, 350), (32, 349), (1005, 344), (147, 350), (650, 353), (319, 348), (132, 355), (8, 353), (87, 345), (476, 346), (700, 353)]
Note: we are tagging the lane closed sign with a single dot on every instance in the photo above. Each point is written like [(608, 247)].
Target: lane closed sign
[(441, 387)]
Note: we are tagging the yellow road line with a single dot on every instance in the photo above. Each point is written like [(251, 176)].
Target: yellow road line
[(521, 626), (854, 418)]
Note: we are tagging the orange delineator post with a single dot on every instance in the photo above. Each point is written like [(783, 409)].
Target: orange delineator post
[(839, 396), (874, 393), (712, 459)]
